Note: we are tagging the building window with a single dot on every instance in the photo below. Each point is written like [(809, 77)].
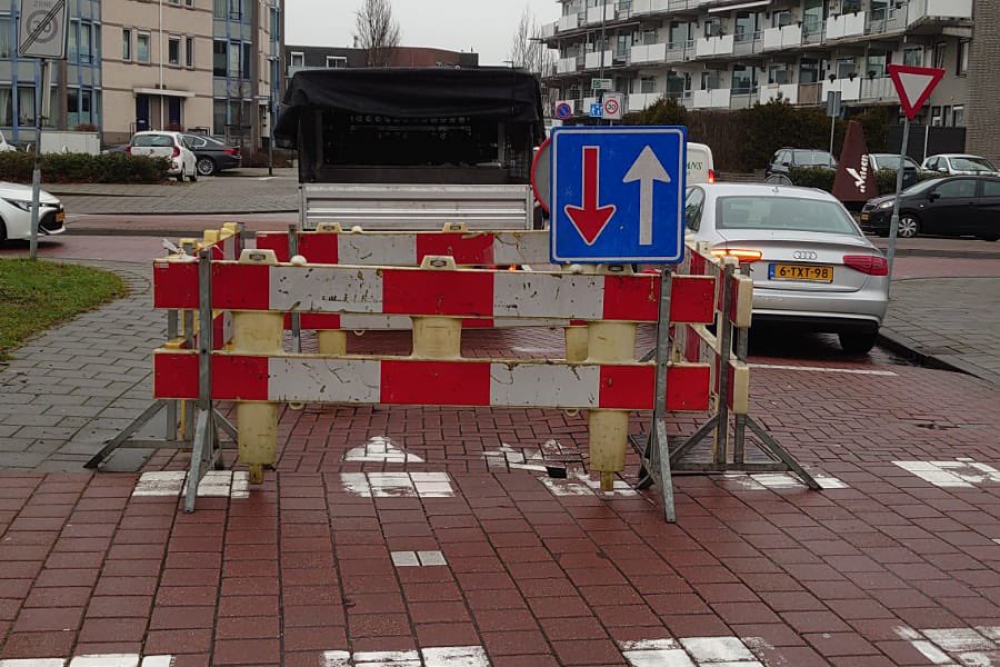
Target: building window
[(236, 9), (744, 79), (83, 38), (709, 80), (940, 51), (219, 58), (781, 18), (779, 74), (6, 33), (142, 47), (846, 68), (850, 7), (189, 3), (80, 108), (914, 57), (647, 84), (126, 44), (175, 2), (220, 9), (876, 64), (275, 25), (958, 115), (174, 51), (189, 51), (219, 117), (963, 58), (935, 116), (336, 62), (713, 27), (297, 59)]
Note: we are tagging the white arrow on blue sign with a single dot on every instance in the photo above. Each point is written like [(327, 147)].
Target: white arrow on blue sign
[(618, 195)]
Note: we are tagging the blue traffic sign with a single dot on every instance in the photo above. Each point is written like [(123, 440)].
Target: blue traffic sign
[(564, 111), (595, 110), (618, 195)]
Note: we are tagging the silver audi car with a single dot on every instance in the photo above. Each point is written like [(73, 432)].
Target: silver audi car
[(811, 266)]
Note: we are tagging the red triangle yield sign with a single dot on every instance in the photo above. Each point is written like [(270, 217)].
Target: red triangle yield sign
[(914, 86)]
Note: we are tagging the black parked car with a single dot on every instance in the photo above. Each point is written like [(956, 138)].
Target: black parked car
[(956, 206), (213, 155), (787, 159)]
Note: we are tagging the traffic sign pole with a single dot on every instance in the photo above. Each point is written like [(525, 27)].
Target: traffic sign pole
[(894, 225), (36, 173)]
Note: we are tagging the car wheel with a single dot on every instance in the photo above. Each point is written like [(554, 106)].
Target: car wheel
[(194, 175), (206, 166), (180, 176), (3, 233), (909, 226), (858, 343)]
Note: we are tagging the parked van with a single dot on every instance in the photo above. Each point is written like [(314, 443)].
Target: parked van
[(701, 166)]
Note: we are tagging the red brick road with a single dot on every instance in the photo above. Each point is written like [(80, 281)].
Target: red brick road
[(844, 577)]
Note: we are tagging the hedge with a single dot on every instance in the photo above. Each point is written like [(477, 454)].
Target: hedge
[(84, 168), (823, 179)]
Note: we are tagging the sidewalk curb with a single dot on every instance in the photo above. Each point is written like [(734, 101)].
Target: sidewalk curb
[(911, 349)]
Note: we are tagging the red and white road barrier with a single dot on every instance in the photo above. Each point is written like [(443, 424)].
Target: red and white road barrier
[(497, 295), (404, 381)]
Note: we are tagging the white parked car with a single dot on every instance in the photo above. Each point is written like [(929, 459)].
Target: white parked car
[(701, 164), (957, 164), (169, 145), (812, 268), (15, 213)]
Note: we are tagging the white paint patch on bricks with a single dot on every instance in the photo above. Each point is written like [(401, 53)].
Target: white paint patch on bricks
[(215, 484), (380, 449), (779, 480), (689, 652), (418, 558), (579, 483), (962, 473), (446, 656), (398, 484), (33, 662), (820, 369), (509, 458), (951, 647)]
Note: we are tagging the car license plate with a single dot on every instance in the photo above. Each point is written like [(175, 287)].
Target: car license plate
[(816, 274), (865, 217)]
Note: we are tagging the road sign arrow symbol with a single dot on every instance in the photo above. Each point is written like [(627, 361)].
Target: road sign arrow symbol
[(591, 219), (647, 170)]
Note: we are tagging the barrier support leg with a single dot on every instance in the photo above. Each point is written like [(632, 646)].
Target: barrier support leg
[(609, 342), (260, 333), (437, 338), (332, 343), (577, 342)]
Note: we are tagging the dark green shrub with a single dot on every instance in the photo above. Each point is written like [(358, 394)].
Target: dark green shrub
[(84, 168), (813, 177), (666, 111)]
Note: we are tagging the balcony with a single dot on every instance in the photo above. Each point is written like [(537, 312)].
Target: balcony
[(879, 90), (846, 25), (640, 101), (568, 65), (742, 98), (594, 60), (787, 37), (680, 51), (938, 10), (549, 30), (707, 47), (649, 6), (812, 32), (594, 13), (712, 99), (649, 53), (783, 91), (884, 21), (811, 93), (850, 89), (569, 22), (746, 44)]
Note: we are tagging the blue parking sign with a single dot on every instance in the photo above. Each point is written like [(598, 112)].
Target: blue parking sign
[(618, 195), (595, 110)]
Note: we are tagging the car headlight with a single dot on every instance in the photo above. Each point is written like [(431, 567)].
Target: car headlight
[(24, 205), (886, 204)]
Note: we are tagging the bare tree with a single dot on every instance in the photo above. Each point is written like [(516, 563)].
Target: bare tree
[(377, 31), (527, 51)]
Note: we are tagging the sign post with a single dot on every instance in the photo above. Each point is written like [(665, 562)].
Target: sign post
[(914, 86), (42, 32), (833, 104)]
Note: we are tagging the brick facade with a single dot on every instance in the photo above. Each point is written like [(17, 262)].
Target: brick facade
[(984, 85)]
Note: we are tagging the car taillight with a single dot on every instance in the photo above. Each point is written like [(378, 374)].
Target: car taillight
[(744, 256), (232, 151), (177, 152), (871, 265), (711, 176), (128, 151)]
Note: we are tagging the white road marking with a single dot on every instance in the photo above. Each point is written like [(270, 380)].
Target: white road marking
[(216, 483), (398, 484), (970, 647), (778, 480), (717, 649), (455, 656), (33, 662), (820, 369), (690, 652), (381, 450), (95, 660), (418, 558), (580, 484), (508, 457), (446, 656), (958, 474)]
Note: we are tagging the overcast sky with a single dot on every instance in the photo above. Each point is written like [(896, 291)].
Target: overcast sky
[(484, 26)]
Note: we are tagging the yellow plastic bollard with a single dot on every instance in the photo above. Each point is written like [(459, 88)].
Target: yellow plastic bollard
[(258, 333), (609, 342)]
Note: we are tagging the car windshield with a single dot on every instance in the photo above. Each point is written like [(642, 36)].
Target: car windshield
[(922, 186), (813, 159), (784, 214), (153, 140), (971, 164), (891, 161)]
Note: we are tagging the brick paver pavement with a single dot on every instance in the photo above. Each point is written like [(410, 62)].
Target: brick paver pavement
[(955, 320)]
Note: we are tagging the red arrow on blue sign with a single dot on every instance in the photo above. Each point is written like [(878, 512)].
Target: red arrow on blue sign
[(591, 219)]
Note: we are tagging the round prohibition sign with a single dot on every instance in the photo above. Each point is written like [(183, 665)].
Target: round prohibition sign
[(47, 31), (611, 107)]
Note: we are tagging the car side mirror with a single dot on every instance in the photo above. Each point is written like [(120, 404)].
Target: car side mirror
[(786, 164), (943, 170), (933, 196)]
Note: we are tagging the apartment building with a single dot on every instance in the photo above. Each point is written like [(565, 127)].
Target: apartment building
[(725, 54), (299, 58), (208, 65)]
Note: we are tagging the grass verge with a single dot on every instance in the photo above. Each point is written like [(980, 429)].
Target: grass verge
[(37, 295)]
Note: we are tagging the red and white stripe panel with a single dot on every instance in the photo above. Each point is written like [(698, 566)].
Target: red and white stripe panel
[(697, 345), (410, 248), (399, 381), (344, 290)]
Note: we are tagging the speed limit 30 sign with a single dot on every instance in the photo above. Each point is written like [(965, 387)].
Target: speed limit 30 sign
[(42, 29), (613, 106)]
